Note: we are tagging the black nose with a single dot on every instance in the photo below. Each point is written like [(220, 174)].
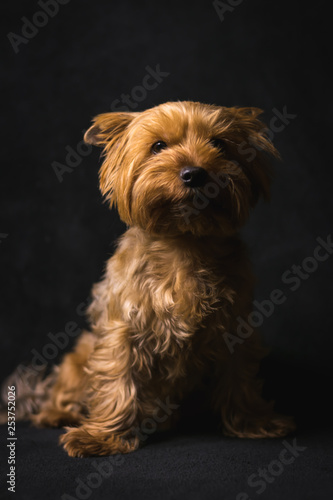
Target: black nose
[(193, 176)]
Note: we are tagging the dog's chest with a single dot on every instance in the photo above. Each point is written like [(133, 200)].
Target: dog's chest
[(171, 291), (165, 289), (172, 285)]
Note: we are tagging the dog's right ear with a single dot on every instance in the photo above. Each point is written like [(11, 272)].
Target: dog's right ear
[(108, 128)]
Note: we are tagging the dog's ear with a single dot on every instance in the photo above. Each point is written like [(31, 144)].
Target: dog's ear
[(108, 127), (254, 149), (255, 131)]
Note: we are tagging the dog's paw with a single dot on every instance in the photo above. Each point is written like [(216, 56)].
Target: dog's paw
[(79, 442), (273, 426)]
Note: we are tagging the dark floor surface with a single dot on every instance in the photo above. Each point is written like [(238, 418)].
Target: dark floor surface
[(178, 465)]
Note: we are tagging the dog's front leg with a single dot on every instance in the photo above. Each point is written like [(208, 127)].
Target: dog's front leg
[(111, 401), (243, 410)]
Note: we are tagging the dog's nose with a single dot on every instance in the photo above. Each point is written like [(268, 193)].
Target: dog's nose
[(193, 176)]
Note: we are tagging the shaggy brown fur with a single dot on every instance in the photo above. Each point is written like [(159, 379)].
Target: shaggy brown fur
[(177, 282)]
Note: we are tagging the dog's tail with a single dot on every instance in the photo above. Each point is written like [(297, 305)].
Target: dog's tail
[(28, 388)]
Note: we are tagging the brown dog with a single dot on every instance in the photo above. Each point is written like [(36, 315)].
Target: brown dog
[(184, 176)]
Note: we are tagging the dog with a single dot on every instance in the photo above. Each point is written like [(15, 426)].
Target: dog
[(184, 177)]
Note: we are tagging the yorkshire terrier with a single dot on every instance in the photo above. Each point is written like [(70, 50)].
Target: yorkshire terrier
[(183, 176)]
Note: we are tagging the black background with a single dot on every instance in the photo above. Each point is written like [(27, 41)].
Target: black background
[(266, 54)]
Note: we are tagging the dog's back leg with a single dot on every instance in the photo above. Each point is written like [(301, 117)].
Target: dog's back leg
[(65, 404)]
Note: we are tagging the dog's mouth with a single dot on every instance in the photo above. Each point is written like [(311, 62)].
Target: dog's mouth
[(199, 199), (212, 196)]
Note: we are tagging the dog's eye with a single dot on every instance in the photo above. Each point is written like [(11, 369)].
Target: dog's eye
[(218, 144), (158, 146)]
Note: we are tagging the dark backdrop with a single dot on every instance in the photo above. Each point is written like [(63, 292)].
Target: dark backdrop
[(56, 236)]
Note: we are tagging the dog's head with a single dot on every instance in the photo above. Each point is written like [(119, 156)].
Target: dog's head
[(183, 166)]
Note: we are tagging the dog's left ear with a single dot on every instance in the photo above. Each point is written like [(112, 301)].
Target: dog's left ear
[(108, 128), (254, 130), (254, 149)]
